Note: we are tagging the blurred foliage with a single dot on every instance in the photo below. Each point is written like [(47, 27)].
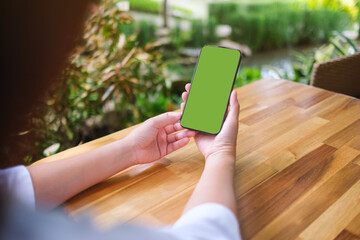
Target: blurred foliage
[(112, 80), (151, 6), (247, 75), (146, 33), (202, 32), (145, 6), (302, 67), (177, 39), (197, 33), (211, 36), (279, 23), (348, 6)]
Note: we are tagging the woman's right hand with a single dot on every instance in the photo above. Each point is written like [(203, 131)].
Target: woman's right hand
[(225, 141)]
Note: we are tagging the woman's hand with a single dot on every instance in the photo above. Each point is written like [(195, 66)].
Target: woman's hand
[(157, 137), (225, 141)]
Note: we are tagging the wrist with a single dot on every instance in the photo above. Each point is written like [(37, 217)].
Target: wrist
[(129, 151), (123, 156), (221, 162), (221, 157)]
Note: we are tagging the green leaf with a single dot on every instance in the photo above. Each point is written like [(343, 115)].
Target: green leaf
[(93, 97)]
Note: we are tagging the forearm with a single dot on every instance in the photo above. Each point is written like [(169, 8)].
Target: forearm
[(216, 184), (57, 181)]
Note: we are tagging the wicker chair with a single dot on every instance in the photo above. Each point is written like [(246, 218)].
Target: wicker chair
[(340, 75)]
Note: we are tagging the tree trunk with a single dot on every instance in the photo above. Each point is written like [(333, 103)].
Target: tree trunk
[(165, 13)]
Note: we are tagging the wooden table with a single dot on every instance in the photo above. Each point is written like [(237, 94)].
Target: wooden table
[(297, 169)]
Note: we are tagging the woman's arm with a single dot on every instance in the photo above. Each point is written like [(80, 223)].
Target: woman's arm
[(57, 181), (216, 184)]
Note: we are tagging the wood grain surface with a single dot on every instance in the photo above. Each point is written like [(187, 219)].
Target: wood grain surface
[(297, 169)]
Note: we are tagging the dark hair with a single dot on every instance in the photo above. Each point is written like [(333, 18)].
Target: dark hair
[(36, 39)]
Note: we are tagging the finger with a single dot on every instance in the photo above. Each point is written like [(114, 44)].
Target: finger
[(187, 87), (162, 141), (173, 128), (182, 106), (184, 96), (164, 119), (176, 145), (180, 135)]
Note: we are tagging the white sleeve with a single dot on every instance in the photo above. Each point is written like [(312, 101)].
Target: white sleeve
[(16, 182), (207, 221)]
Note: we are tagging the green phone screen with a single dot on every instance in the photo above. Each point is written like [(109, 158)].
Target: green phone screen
[(210, 90)]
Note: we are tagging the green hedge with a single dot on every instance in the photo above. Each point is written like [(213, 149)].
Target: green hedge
[(202, 33), (269, 25), (145, 6), (151, 6)]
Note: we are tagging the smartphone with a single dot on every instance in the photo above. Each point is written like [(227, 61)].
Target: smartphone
[(210, 90)]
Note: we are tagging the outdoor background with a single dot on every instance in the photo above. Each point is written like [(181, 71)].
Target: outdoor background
[(136, 56)]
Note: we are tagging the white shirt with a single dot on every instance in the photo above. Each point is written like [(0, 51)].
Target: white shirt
[(206, 221)]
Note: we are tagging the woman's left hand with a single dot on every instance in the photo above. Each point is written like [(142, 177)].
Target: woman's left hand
[(157, 137)]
